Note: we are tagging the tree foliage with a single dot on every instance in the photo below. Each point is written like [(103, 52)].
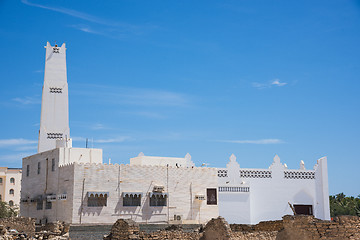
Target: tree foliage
[(7, 211), (342, 205)]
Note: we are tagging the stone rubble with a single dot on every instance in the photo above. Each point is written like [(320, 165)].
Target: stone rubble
[(299, 227), (24, 228)]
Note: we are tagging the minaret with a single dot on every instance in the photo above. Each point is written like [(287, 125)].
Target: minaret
[(54, 123)]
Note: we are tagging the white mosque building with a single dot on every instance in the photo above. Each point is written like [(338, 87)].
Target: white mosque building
[(62, 183)]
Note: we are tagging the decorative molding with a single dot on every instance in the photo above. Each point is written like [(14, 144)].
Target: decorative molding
[(255, 174), (299, 175)]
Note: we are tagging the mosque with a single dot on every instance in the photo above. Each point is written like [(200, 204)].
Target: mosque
[(62, 183)]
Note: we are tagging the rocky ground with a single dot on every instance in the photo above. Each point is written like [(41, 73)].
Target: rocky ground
[(299, 227)]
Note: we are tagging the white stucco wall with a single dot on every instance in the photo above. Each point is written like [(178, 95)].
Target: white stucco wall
[(269, 191), (54, 104), (181, 184), (47, 182), (143, 160)]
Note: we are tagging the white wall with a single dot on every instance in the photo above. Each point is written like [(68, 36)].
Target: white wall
[(54, 104), (268, 197), (183, 185), (143, 160)]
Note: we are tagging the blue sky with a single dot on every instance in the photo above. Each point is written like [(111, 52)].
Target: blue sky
[(212, 78)]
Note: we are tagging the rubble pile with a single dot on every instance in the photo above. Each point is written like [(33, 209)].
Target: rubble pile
[(299, 227), (24, 228), (302, 227)]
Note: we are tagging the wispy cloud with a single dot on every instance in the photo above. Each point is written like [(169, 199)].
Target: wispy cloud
[(16, 142), (112, 140), (117, 139), (27, 100), (109, 28), (72, 13), (259, 141), (275, 82), (134, 96), (98, 126), (14, 160)]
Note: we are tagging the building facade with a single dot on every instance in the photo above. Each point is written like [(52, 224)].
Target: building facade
[(249, 196), (10, 185), (62, 183)]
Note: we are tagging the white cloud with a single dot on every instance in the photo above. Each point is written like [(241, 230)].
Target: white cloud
[(114, 29), (275, 82), (112, 140), (278, 83), (98, 126), (133, 96), (259, 141), (27, 100), (16, 142), (104, 140), (72, 13), (12, 159)]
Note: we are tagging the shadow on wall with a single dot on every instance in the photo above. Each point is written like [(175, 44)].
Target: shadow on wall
[(92, 206)]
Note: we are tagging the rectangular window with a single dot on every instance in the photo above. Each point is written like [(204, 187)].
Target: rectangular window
[(39, 167), (158, 199), (48, 205), (131, 199), (53, 164), (27, 170), (97, 200), (303, 209), (211, 196), (39, 205)]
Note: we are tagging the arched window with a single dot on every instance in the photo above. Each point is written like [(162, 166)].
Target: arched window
[(1, 180), (11, 203), (11, 191), (12, 180)]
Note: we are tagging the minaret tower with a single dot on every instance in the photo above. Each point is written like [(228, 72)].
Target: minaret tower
[(54, 124)]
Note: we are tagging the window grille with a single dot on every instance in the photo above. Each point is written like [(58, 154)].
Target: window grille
[(97, 199), (158, 199), (56, 50), (55, 90), (48, 205), (234, 189), (131, 199), (222, 173), (255, 174), (54, 135), (299, 174)]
